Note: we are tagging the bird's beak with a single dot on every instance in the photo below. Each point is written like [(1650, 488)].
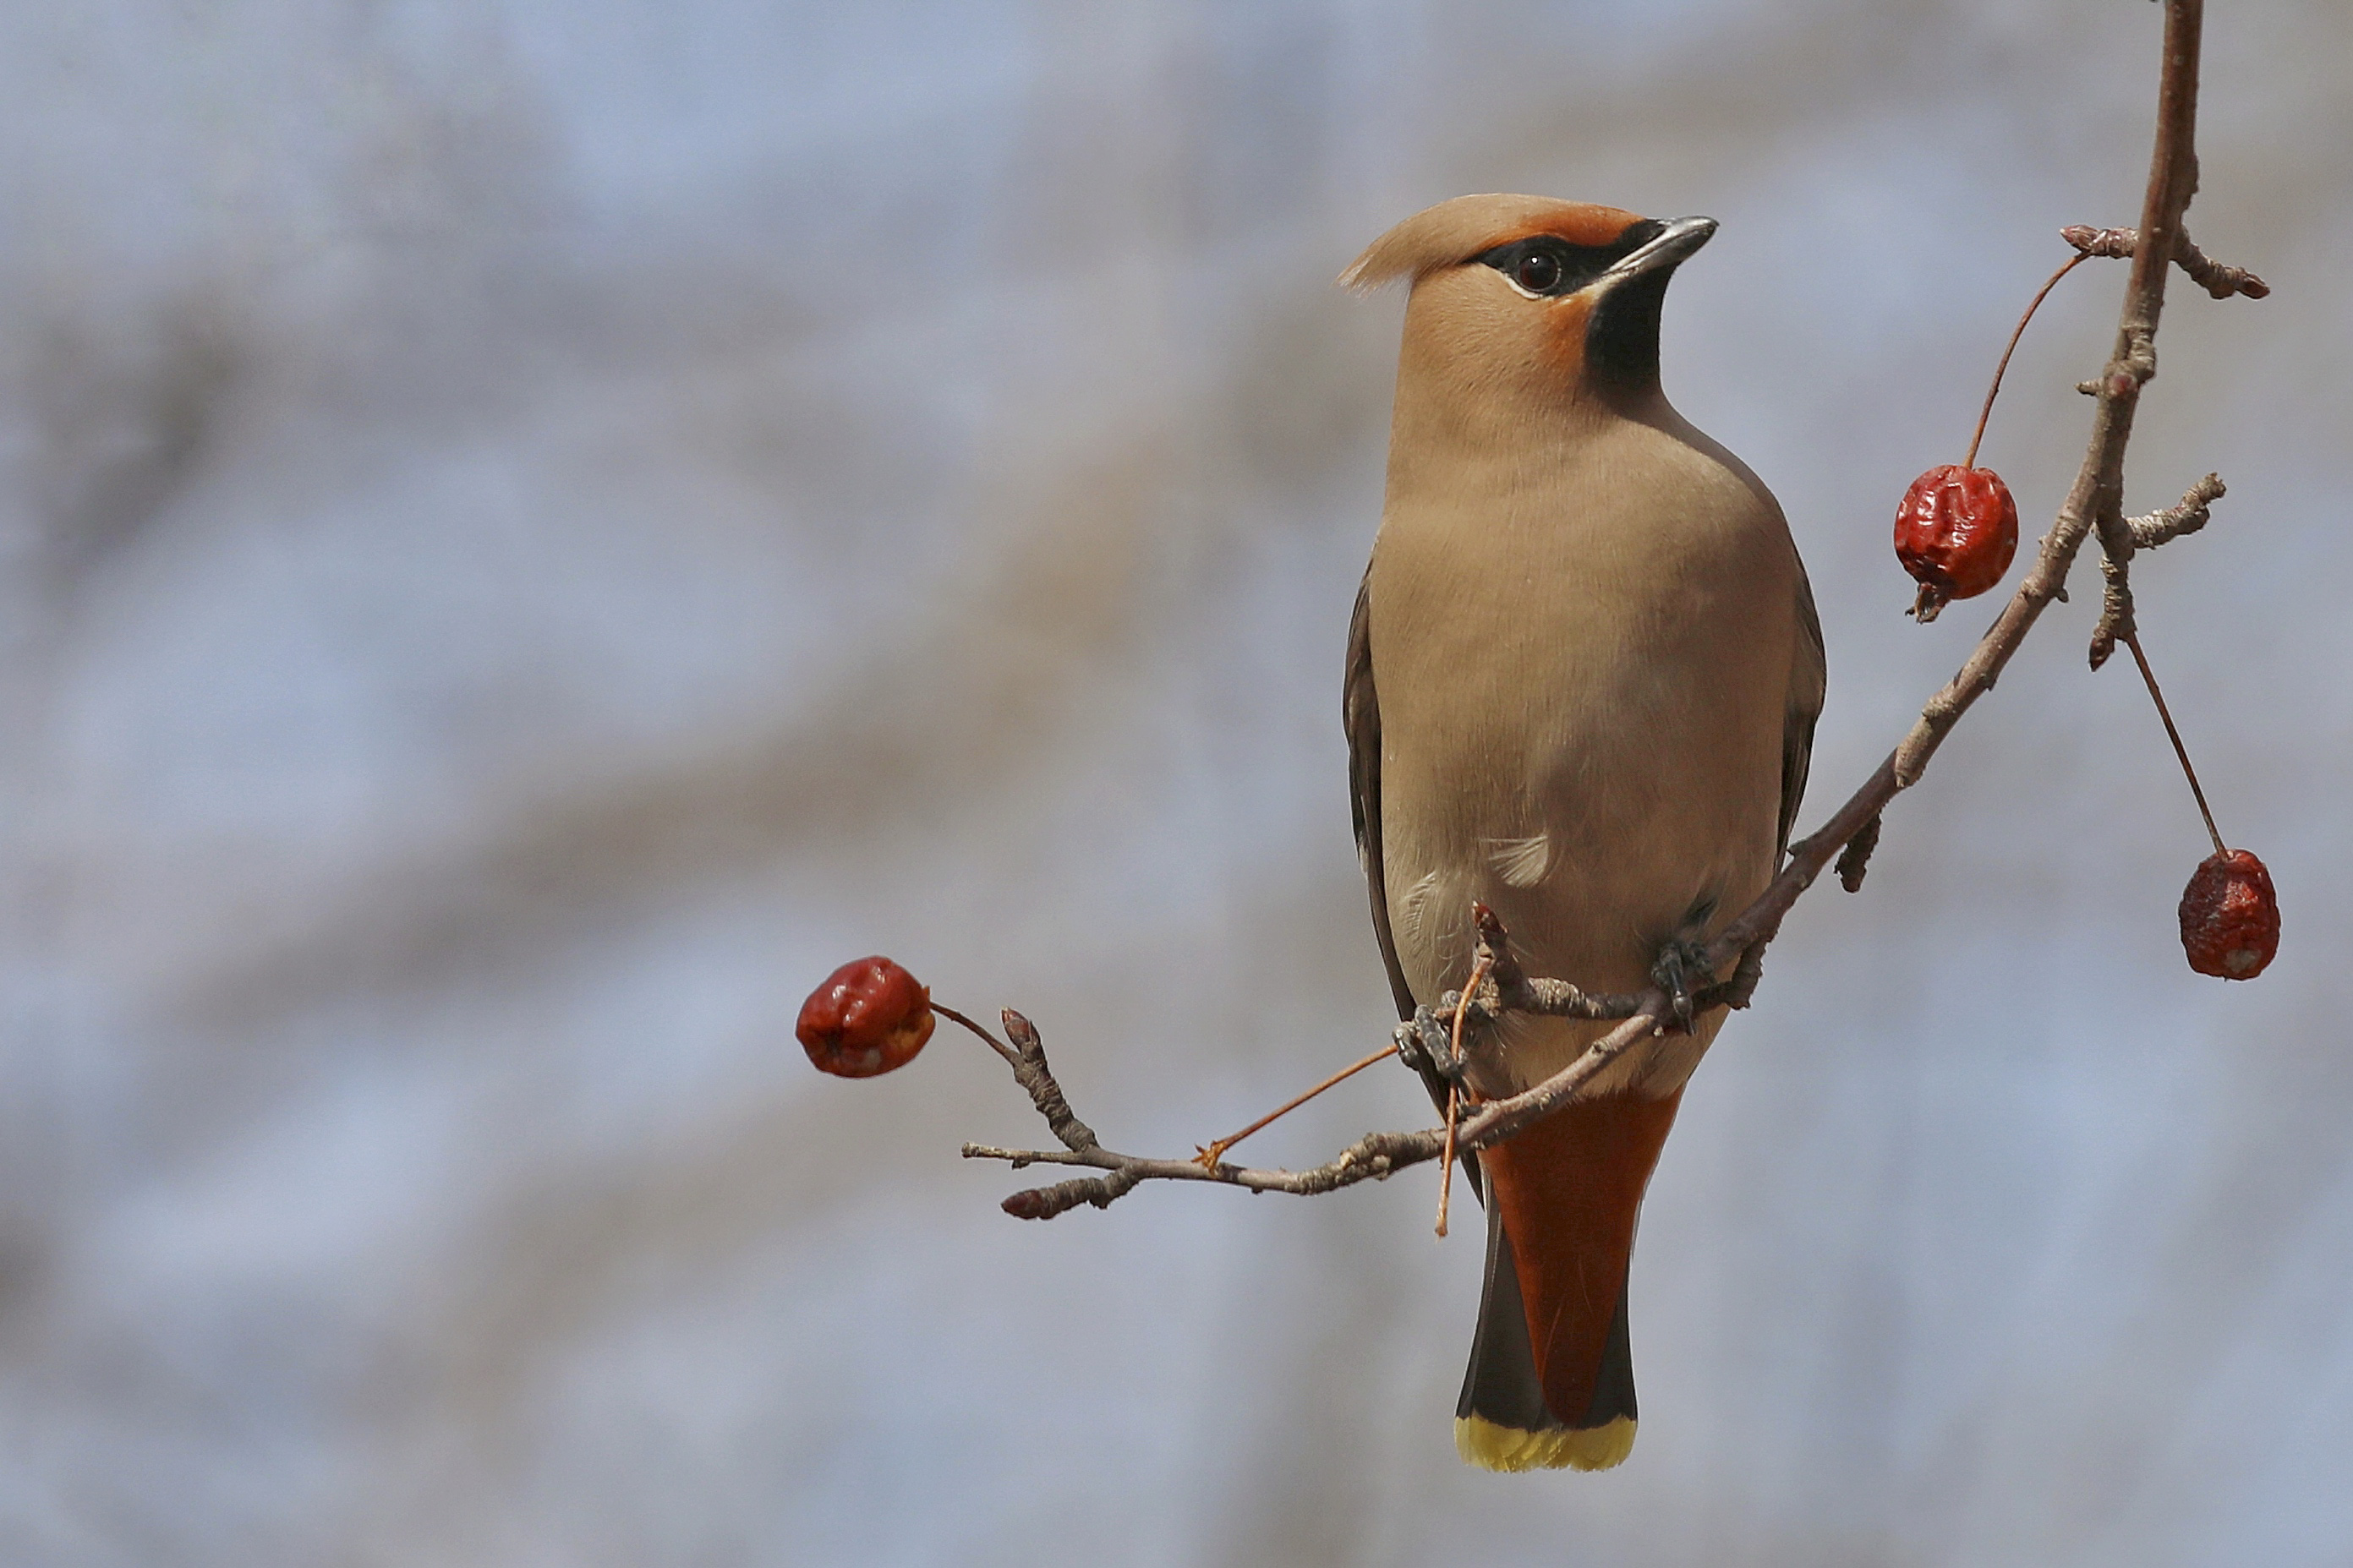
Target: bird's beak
[(1675, 242)]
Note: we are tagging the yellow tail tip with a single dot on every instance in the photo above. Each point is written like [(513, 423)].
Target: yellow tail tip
[(1491, 1447)]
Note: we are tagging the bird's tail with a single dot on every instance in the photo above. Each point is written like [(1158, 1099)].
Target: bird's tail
[(1551, 1381)]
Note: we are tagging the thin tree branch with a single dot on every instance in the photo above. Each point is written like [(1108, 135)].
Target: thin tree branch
[(2163, 527), (2117, 623), (2208, 274), (2093, 503)]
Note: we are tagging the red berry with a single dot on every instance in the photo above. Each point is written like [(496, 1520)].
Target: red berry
[(868, 1017), (1955, 532), (2230, 916)]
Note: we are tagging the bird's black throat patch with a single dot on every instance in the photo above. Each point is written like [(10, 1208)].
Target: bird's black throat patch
[(1622, 337)]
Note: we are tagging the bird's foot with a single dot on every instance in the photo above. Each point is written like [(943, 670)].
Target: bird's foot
[(1426, 1044), (1681, 960)]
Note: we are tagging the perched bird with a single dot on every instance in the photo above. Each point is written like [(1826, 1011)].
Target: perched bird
[(1583, 674)]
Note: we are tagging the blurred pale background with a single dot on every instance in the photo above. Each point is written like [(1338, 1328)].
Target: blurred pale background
[(532, 532)]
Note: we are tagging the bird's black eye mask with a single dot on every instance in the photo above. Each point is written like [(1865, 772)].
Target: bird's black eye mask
[(1548, 267)]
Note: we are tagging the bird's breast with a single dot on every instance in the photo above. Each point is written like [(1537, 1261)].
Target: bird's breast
[(1583, 663)]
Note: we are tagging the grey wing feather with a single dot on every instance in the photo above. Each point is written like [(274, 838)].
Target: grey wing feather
[(1808, 679), (1360, 715)]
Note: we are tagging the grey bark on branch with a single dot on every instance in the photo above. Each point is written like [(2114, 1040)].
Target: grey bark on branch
[(2094, 502)]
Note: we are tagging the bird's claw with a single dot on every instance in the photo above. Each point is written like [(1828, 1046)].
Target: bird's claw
[(1426, 1044), (1680, 959)]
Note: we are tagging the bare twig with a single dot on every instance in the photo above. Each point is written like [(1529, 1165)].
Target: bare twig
[(1030, 1071), (2137, 534), (2208, 274), (2093, 501), (2162, 527)]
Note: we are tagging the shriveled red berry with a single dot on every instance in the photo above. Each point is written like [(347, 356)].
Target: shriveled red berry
[(1956, 533), (2230, 916), (868, 1017)]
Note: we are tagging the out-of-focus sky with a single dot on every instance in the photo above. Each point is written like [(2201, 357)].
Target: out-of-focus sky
[(528, 533)]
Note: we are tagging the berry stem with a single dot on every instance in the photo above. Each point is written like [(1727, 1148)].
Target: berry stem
[(1210, 1154), (1987, 412), (999, 1047), (2132, 641)]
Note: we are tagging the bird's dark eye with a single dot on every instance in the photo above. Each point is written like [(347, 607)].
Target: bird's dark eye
[(1537, 272), (1546, 265)]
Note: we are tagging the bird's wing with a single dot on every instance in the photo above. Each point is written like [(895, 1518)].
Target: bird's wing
[(1809, 674), (1360, 715)]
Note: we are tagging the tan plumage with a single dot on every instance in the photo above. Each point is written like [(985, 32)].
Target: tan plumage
[(1582, 687)]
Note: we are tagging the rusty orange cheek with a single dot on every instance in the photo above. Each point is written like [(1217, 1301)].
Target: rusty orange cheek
[(1564, 335)]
